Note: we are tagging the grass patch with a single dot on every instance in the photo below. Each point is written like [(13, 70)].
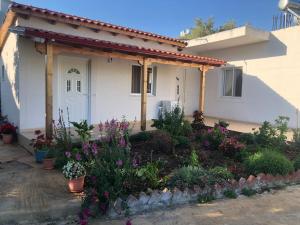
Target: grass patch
[(205, 198), (248, 192), (230, 194)]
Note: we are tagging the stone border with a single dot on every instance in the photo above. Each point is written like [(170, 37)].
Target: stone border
[(165, 198)]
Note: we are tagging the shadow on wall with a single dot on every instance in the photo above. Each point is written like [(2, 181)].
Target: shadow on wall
[(271, 48), (259, 103), (10, 90)]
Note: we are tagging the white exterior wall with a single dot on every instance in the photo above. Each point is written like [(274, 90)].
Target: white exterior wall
[(10, 102), (85, 32), (271, 80), (110, 88)]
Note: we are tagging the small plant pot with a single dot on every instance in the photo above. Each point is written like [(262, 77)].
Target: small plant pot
[(7, 138), (76, 185), (40, 155), (48, 164)]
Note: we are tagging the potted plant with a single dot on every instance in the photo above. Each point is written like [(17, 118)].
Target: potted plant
[(75, 172), (41, 146), (48, 162), (8, 131)]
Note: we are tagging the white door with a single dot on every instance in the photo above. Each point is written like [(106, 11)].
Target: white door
[(74, 88)]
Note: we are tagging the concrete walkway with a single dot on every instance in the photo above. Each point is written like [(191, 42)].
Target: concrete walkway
[(30, 194), (276, 208)]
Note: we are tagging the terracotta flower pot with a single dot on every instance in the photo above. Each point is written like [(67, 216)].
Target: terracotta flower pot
[(7, 138), (76, 185), (48, 164)]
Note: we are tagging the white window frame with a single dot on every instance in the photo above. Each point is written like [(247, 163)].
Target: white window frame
[(151, 81), (233, 84)]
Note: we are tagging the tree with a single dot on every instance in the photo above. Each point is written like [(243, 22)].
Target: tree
[(203, 28)]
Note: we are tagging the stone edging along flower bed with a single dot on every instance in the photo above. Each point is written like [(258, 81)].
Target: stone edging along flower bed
[(158, 199)]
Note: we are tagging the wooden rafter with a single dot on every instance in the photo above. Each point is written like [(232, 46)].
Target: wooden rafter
[(101, 27), (8, 22)]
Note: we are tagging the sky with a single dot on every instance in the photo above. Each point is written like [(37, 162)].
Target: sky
[(167, 17)]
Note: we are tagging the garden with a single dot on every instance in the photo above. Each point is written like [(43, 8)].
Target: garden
[(177, 155)]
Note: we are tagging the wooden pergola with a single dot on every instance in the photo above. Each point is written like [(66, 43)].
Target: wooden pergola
[(51, 43), (56, 44)]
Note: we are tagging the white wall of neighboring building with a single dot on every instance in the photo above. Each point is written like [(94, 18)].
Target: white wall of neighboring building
[(10, 96), (271, 80), (110, 88)]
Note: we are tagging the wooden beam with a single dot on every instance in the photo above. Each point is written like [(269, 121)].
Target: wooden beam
[(8, 22), (99, 26), (174, 63), (202, 89), (144, 95), (49, 90)]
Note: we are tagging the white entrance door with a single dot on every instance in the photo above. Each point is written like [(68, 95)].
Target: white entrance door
[(74, 88)]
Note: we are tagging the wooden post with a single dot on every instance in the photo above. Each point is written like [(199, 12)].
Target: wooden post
[(144, 95), (49, 90), (202, 89)]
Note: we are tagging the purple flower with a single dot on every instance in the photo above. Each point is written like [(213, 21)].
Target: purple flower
[(101, 127), (83, 222), (94, 149), (68, 154), (119, 162), (94, 179), (78, 157), (210, 130), (206, 143), (122, 142), (135, 163), (85, 148), (128, 222)]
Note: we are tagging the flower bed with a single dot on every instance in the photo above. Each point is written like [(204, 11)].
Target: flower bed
[(185, 161)]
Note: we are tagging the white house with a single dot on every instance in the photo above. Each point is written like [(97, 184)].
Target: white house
[(261, 80), (97, 70)]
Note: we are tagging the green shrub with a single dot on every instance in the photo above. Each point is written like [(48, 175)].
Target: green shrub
[(173, 122), (150, 174), (272, 135), (141, 136), (188, 176), (205, 198), (194, 159), (296, 138), (248, 192), (181, 141), (269, 162), (297, 163), (230, 194), (220, 174), (247, 138)]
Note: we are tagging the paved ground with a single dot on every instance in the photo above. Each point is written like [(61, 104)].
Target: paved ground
[(276, 208), (29, 193)]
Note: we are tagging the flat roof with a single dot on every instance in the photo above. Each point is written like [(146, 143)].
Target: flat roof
[(236, 37)]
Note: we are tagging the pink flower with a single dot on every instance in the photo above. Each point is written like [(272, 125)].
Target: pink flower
[(106, 194), (119, 162), (68, 154), (128, 222), (210, 130), (83, 221), (85, 148)]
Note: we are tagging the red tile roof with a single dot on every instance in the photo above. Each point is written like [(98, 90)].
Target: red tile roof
[(118, 47), (31, 10)]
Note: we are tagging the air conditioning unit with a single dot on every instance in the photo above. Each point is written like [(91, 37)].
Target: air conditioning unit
[(167, 106)]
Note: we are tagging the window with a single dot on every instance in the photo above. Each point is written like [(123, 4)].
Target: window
[(78, 83), (136, 82), (68, 85), (232, 82)]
